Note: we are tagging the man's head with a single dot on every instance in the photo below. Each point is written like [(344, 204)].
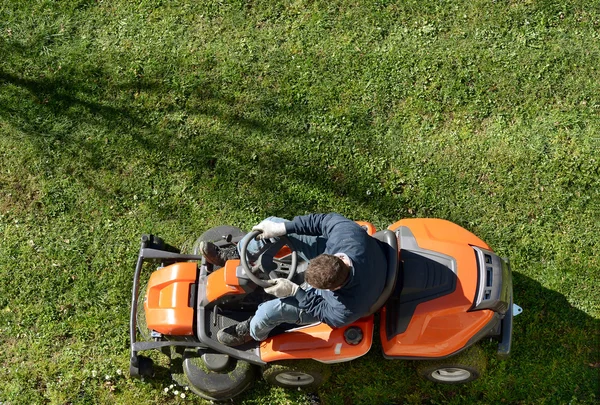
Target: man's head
[(326, 272)]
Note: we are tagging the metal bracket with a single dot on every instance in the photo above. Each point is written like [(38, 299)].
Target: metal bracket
[(516, 310)]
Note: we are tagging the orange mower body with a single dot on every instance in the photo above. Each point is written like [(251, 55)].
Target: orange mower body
[(446, 290)]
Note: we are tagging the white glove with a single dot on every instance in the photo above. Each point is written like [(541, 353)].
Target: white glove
[(270, 229), (282, 287)]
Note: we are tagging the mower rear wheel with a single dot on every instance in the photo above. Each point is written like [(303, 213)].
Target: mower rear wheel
[(299, 374), (462, 368)]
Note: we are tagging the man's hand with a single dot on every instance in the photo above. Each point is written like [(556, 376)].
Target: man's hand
[(282, 287), (270, 229)]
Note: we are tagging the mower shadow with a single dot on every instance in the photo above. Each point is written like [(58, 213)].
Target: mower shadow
[(555, 353)]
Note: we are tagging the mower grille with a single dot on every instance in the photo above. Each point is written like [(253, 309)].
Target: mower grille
[(494, 280)]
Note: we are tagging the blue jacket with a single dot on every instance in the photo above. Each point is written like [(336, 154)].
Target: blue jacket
[(367, 276)]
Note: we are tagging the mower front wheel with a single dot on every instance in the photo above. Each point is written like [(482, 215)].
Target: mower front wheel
[(459, 369), (233, 379), (299, 374)]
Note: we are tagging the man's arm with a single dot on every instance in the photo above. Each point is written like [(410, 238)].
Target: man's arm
[(314, 304), (317, 224), (318, 307)]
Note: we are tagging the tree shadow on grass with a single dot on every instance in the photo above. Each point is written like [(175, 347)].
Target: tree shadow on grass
[(83, 117), (555, 352)]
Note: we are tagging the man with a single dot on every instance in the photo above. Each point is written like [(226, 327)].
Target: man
[(345, 276)]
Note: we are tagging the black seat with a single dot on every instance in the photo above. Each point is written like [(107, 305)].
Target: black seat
[(390, 246)]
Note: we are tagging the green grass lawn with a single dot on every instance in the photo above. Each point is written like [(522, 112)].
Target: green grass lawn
[(119, 118)]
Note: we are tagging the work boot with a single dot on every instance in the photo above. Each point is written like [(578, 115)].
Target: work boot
[(218, 255), (235, 335)]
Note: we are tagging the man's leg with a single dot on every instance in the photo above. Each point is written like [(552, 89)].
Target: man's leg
[(275, 312), (269, 315)]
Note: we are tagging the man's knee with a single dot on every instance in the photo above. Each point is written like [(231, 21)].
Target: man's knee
[(268, 316), (275, 312), (276, 219), (266, 311)]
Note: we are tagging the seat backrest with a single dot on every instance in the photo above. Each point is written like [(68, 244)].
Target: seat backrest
[(390, 247)]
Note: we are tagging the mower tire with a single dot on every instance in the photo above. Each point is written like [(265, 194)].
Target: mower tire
[(464, 367), (299, 374), (212, 385)]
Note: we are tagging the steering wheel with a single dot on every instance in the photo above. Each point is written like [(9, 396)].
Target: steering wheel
[(282, 268)]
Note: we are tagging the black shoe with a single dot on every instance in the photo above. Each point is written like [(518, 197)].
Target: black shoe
[(235, 335), (218, 255)]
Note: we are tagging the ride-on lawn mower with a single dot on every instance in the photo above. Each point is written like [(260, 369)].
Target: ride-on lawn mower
[(446, 290)]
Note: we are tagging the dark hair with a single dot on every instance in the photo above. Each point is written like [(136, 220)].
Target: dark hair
[(326, 272)]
